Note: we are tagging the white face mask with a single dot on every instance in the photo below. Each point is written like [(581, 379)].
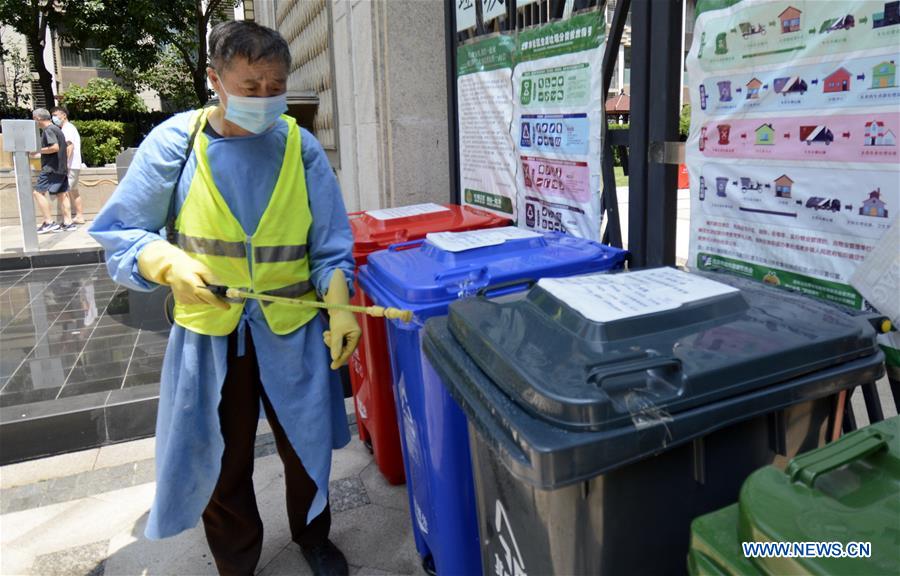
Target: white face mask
[(252, 113)]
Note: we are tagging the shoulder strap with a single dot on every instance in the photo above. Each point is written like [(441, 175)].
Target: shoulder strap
[(170, 219)]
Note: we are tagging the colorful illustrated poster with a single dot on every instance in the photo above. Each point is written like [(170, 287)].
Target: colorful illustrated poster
[(793, 153), (558, 111), (530, 114), (487, 164)]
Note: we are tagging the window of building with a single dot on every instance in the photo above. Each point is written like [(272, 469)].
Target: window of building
[(87, 58)]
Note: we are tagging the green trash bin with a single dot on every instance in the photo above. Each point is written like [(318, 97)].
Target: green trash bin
[(841, 498)]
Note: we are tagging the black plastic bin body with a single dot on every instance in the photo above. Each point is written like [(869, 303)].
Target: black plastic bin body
[(637, 426)]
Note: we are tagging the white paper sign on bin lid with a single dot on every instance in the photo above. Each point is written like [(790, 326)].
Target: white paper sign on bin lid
[(406, 211), (462, 241), (610, 297)]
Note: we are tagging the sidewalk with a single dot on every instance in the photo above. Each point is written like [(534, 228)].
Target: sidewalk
[(11, 240), (84, 513)]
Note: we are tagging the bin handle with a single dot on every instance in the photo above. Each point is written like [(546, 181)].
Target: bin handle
[(599, 374), (506, 287), (408, 245), (808, 467)]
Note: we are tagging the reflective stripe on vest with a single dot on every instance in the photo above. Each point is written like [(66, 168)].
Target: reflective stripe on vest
[(274, 260)]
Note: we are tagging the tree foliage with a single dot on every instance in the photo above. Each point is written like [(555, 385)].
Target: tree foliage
[(14, 93), (101, 140), (151, 43), (32, 18), (155, 41), (101, 96)]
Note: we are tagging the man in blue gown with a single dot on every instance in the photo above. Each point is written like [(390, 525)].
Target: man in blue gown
[(256, 207)]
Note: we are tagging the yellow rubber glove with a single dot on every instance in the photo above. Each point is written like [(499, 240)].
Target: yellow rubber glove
[(343, 332), (167, 264)]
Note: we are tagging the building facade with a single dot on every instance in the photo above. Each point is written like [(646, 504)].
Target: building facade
[(374, 74)]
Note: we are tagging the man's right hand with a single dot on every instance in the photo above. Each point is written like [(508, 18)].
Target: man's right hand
[(166, 264)]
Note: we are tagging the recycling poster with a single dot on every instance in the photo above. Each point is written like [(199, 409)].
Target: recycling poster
[(530, 114), (792, 153)]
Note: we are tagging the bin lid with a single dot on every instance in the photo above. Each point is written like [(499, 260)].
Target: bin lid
[(448, 266), (847, 491), (377, 229), (599, 351)]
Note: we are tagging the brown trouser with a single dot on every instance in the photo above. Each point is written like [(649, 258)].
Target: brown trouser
[(233, 527)]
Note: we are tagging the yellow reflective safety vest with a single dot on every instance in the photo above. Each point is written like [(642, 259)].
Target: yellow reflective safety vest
[(273, 260)]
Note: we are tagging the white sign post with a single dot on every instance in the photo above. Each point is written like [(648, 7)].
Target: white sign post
[(21, 137)]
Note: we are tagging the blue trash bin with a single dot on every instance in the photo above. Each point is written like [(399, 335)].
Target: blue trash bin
[(425, 277)]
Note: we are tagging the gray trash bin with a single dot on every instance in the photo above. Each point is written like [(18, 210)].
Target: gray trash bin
[(604, 417)]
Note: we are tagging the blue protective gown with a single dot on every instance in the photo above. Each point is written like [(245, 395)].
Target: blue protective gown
[(294, 369)]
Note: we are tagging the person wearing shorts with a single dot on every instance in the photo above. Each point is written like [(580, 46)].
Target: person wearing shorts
[(53, 177), (73, 155)]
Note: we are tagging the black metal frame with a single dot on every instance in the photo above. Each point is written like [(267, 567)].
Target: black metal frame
[(655, 107)]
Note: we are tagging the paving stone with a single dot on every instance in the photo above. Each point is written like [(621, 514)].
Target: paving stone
[(349, 460), (10, 505), (144, 471), (87, 560), (382, 493), (61, 489), (377, 537), (347, 494), (288, 562)]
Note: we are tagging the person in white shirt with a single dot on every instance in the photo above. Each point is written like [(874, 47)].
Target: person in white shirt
[(73, 147)]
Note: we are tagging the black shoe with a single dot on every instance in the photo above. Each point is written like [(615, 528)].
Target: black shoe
[(326, 560), (48, 227)]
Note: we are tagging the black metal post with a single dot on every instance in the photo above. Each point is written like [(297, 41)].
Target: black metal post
[(612, 235), (639, 143), (665, 85), (873, 402), (452, 136)]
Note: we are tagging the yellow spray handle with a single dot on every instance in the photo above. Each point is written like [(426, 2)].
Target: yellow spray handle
[(375, 311)]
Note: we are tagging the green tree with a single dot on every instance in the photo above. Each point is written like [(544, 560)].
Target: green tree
[(18, 77), (169, 77), (32, 18), (147, 37), (684, 122), (101, 96)]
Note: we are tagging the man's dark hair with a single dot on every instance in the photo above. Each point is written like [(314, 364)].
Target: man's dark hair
[(248, 39), (62, 109)]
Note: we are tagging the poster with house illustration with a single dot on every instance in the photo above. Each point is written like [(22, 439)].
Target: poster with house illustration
[(790, 20), (838, 81), (874, 206), (800, 146), (878, 135), (884, 75), (765, 135), (753, 87), (783, 186)]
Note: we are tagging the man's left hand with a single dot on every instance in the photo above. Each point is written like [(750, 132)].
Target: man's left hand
[(342, 337)]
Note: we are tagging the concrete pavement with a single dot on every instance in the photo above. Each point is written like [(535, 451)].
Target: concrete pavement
[(84, 513)]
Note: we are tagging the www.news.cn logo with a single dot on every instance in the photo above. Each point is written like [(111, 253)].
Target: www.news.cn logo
[(807, 549)]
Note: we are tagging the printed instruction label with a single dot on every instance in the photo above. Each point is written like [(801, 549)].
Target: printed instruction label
[(406, 211), (609, 297), (461, 241), (878, 277)]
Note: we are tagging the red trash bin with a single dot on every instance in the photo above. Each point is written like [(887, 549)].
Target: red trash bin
[(370, 365)]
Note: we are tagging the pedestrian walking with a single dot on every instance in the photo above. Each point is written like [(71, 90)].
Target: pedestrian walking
[(73, 155), (53, 177)]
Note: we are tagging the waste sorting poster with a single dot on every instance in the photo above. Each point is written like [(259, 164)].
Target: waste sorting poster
[(530, 113), (792, 153)]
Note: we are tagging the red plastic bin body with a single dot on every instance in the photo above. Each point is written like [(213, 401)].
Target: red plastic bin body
[(370, 365)]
